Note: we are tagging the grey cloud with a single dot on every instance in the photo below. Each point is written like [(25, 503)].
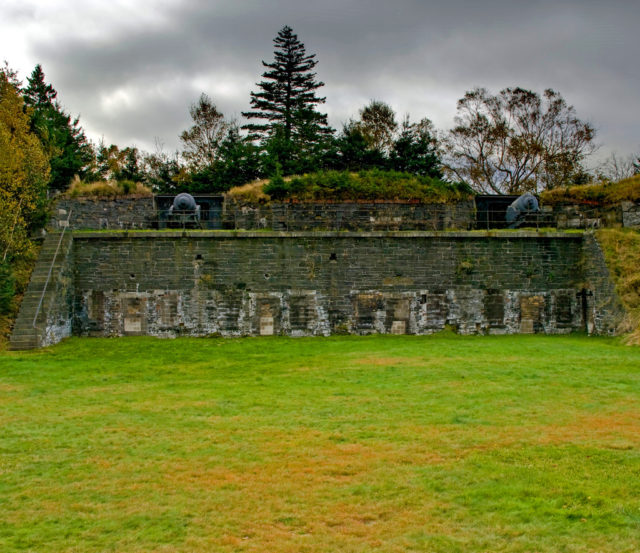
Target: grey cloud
[(418, 55)]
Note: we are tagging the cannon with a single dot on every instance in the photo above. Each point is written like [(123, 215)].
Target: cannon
[(185, 211), (520, 208)]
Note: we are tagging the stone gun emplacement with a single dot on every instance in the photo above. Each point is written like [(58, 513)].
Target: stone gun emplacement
[(184, 211), (517, 212)]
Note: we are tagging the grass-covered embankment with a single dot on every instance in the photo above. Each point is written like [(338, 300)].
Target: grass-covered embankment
[(394, 444), (622, 253), (603, 193), (346, 186)]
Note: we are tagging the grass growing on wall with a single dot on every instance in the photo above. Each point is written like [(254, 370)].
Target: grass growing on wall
[(359, 444), (622, 253), (345, 186), (105, 189), (606, 193)]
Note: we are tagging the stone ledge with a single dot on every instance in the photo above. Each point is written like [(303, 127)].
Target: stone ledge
[(225, 234)]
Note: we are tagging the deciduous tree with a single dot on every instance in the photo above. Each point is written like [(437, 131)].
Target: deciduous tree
[(203, 140), (24, 172), (378, 125), (617, 167), (516, 141)]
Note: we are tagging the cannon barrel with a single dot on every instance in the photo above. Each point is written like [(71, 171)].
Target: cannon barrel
[(184, 211), (525, 204), (184, 202)]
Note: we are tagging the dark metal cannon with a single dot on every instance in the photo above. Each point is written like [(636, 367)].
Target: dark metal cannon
[(185, 211), (518, 211)]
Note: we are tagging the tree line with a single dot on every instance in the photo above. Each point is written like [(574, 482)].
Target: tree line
[(514, 141)]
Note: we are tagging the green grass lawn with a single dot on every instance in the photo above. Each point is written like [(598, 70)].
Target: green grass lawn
[(350, 444)]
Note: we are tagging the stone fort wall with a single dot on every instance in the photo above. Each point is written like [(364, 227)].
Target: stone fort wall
[(320, 283), (142, 213)]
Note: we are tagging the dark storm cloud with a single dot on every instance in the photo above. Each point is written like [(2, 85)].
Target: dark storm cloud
[(133, 78)]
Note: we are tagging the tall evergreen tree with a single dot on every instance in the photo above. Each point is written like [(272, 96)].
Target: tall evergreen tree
[(62, 137), (287, 102)]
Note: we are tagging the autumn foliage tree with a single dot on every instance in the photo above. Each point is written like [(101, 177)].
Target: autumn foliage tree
[(203, 140), (517, 141), (24, 172), (378, 125)]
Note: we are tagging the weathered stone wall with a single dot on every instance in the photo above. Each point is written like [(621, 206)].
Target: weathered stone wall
[(294, 216), (103, 213), (46, 310), (140, 213), (605, 310), (584, 216), (57, 307), (200, 283), (630, 214)]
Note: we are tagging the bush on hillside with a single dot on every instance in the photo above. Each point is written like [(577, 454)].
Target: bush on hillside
[(7, 287)]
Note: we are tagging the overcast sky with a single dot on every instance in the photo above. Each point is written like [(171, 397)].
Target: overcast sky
[(131, 69)]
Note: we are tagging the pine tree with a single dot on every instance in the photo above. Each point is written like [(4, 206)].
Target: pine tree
[(287, 100), (415, 150), (63, 139)]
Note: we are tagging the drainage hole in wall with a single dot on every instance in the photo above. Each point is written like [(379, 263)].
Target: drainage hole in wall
[(266, 276), (132, 276), (199, 256), (333, 257)]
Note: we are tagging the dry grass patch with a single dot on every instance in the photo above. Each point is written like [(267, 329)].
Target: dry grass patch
[(606, 193), (107, 189)]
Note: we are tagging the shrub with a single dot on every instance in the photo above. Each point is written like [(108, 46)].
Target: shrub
[(7, 287), (277, 188)]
